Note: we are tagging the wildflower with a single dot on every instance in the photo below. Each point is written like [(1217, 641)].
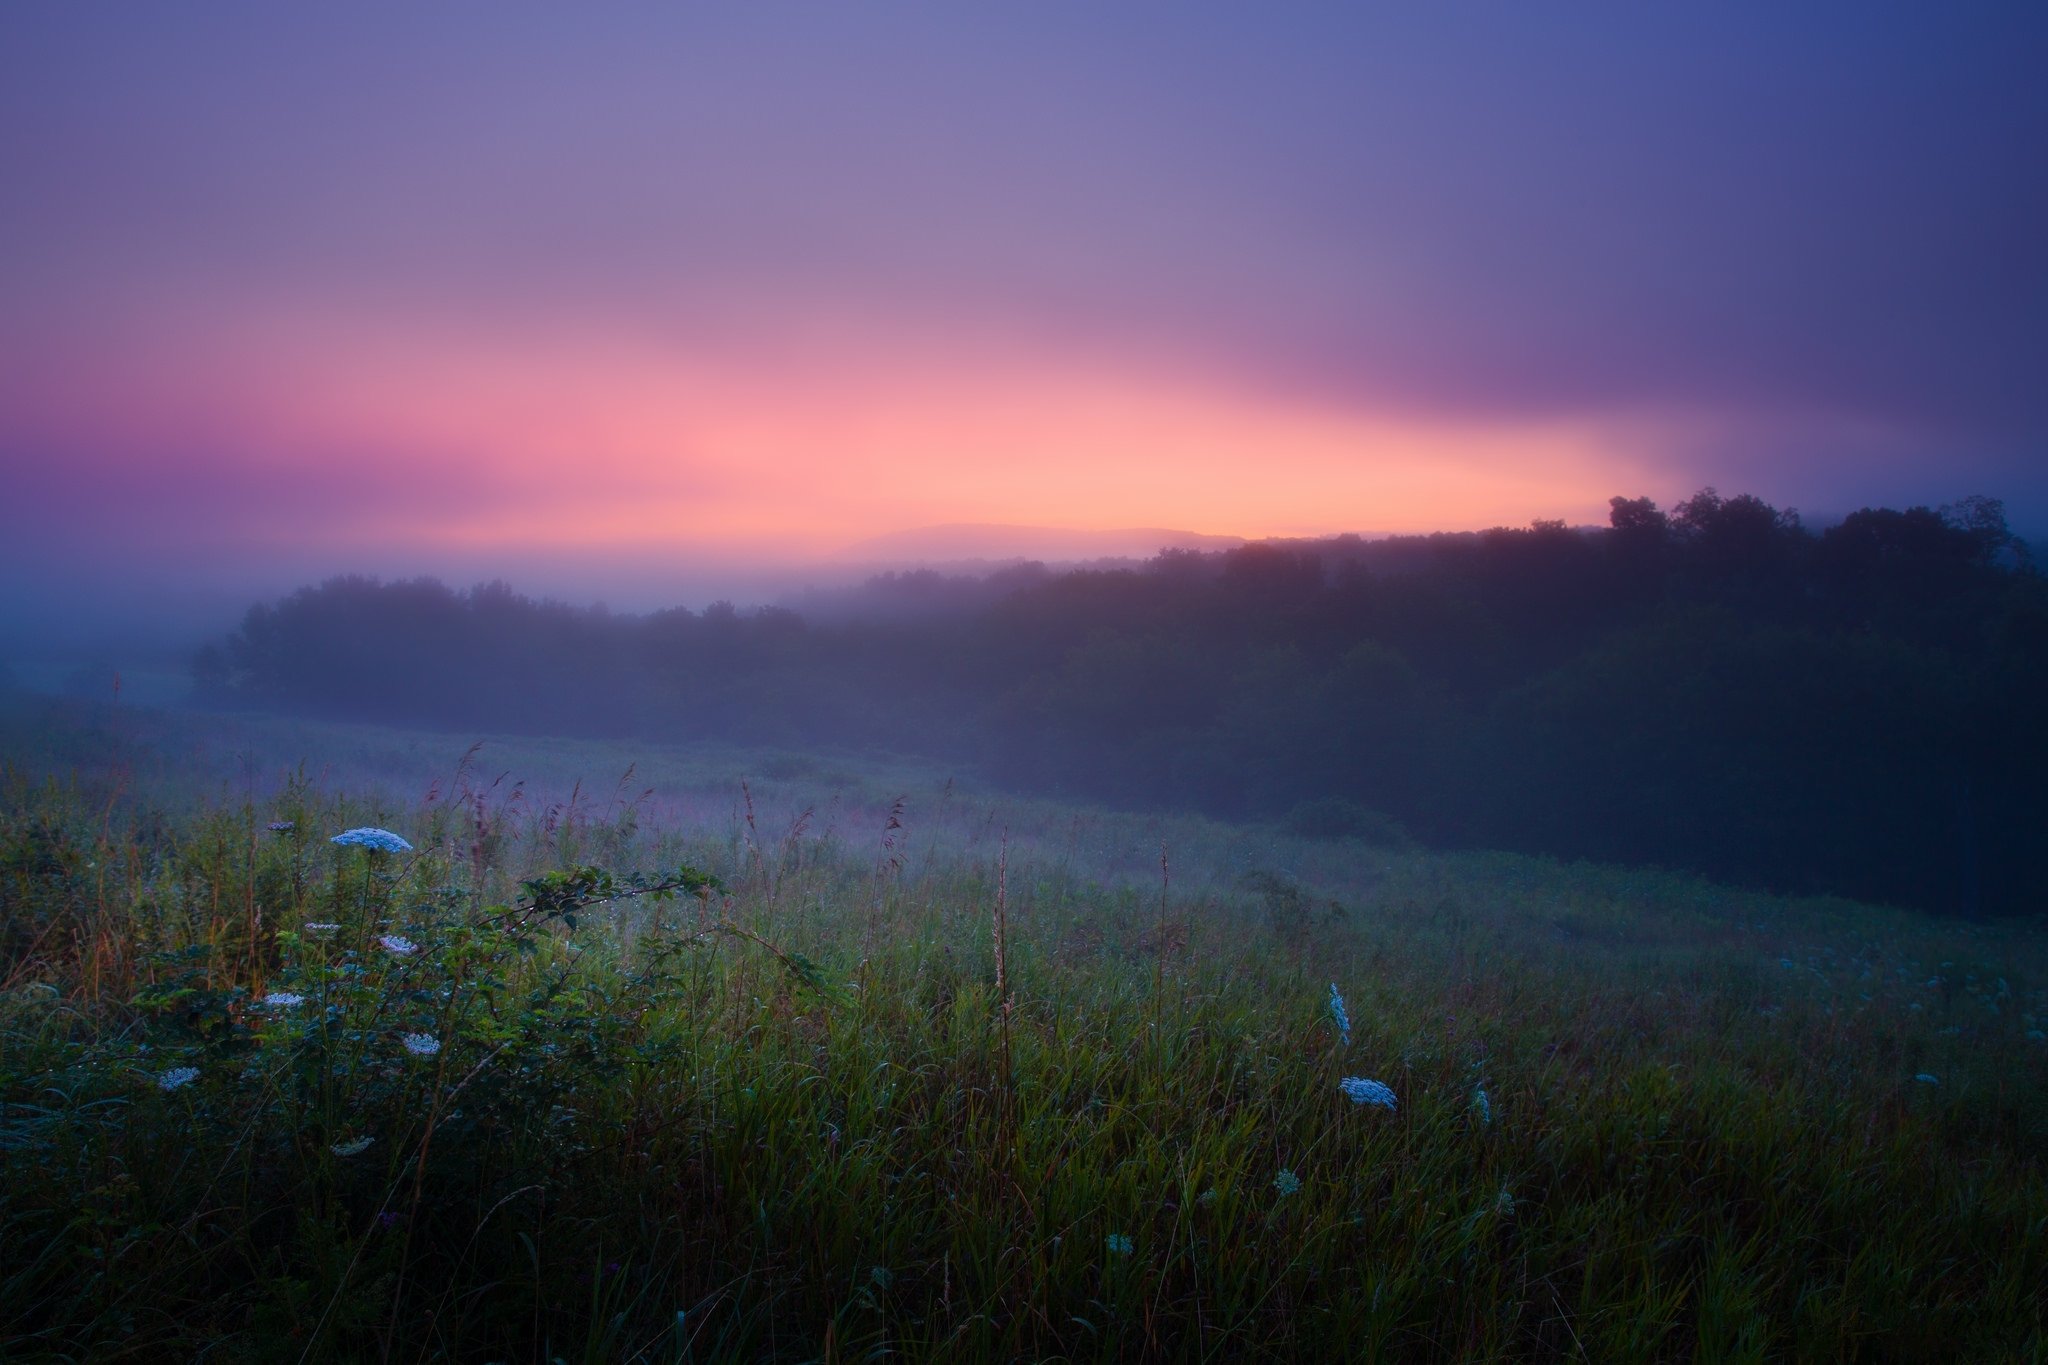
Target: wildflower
[(369, 836), (177, 1076), (1118, 1244), (1359, 1090), (1482, 1105), (282, 1000), (1339, 1016), (1287, 1182), (321, 927), (1926, 1079), (353, 1147), (421, 1044), (281, 826), (398, 945)]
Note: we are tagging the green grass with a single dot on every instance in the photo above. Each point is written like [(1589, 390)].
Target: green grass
[(787, 1119)]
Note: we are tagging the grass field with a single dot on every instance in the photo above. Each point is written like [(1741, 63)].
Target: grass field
[(798, 1057)]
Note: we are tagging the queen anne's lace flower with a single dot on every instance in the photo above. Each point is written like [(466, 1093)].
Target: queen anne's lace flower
[(1118, 1244), (1359, 1090), (353, 1147), (177, 1076), (321, 927), (398, 945), (421, 1044), (369, 836), (282, 1000), (1482, 1106), (1926, 1079), (1287, 1182), (1339, 1016)]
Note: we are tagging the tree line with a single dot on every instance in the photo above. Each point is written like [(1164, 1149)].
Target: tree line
[(1860, 710)]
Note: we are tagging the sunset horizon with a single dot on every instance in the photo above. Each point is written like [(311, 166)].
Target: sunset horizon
[(471, 292)]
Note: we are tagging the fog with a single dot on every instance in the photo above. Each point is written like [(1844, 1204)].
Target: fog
[(1860, 708)]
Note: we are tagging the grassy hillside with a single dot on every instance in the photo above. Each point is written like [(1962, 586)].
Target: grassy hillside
[(852, 1061)]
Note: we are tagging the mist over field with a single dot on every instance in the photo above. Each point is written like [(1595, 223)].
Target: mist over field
[(1040, 683), (1862, 710)]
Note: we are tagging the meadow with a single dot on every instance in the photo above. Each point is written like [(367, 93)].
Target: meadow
[(645, 1053)]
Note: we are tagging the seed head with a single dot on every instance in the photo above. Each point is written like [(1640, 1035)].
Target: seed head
[(1339, 1016)]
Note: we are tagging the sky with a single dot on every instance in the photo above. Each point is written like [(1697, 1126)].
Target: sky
[(632, 302)]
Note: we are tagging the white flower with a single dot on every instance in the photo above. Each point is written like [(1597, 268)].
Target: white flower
[(321, 927), (177, 1076), (1926, 1079), (1118, 1244), (1287, 1182), (369, 836), (282, 1000), (1339, 1016), (421, 1044), (1359, 1090), (398, 945), (353, 1147), (1482, 1105)]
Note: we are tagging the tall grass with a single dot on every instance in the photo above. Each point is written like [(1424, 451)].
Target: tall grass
[(792, 1086)]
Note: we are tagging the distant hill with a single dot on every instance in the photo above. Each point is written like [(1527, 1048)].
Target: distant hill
[(959, 542), (1862, 711)]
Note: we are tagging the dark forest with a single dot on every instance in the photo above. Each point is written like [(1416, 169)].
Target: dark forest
[(1861, 710)]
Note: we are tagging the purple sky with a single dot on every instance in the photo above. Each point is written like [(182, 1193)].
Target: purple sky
[(598, 300)]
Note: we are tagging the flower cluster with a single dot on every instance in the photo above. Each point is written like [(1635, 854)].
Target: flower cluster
[(282, 1000), (321, 927), (1339, 1015), (1359, 1090), (1287, 1182), (177, 1076), (421, 1044), (1482, 1106), (1118, 1244), (353, 1147), (398, 945), (369, 836)]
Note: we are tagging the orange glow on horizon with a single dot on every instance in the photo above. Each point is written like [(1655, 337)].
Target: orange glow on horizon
[(579, 443)]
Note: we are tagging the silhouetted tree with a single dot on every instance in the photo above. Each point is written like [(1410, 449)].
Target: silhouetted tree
[(1864, 710)]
